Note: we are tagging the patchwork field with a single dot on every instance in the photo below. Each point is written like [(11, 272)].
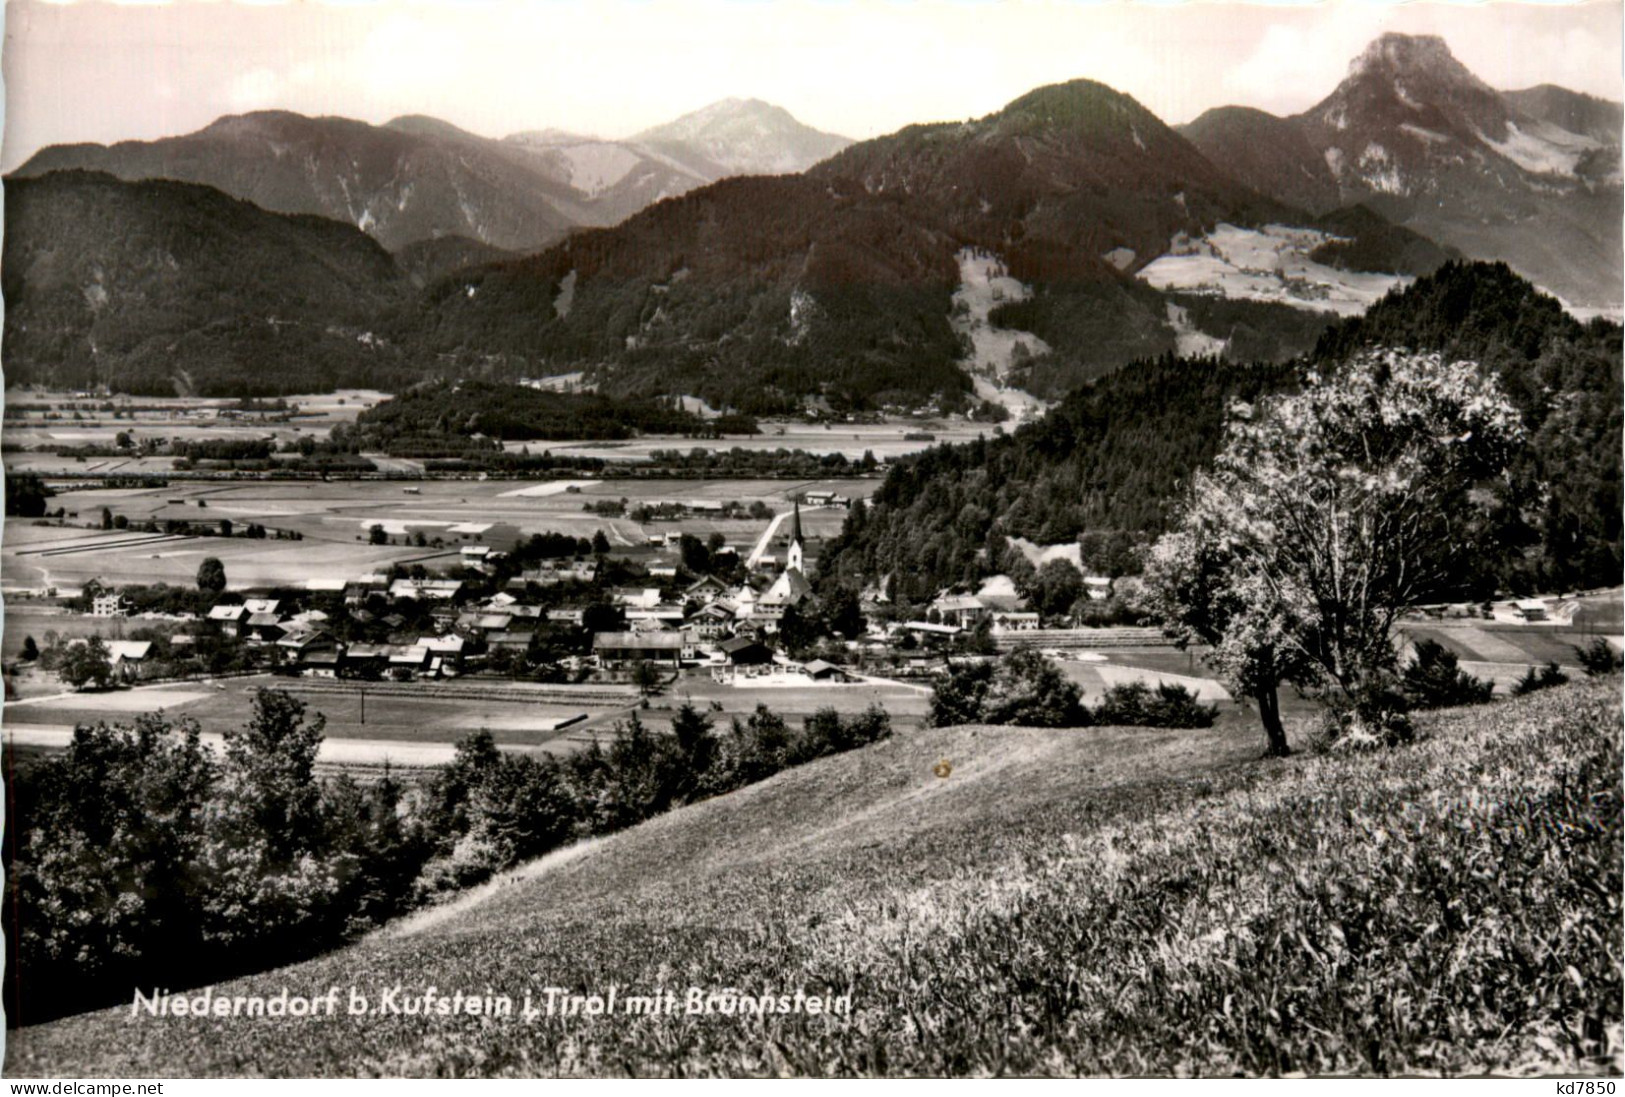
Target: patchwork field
[(1507, 647), (175, 418), (420, 716), (1109, 901), (334, 519), (852, 440)]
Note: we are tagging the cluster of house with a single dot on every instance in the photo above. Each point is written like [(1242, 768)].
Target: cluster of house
[(710, 622)]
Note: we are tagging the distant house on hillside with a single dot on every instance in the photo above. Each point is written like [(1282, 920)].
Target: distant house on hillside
[(1018, 621), (263, 628), (407, 661), (711, 622), (707, 588), (298, 639), (926, 628), (509, 641), (111, 604), (365, 660), (963, 610), (820, 671), (321, 662), (640, 597), (666, 614)]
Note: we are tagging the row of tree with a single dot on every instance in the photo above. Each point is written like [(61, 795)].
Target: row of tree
[(140, 855)]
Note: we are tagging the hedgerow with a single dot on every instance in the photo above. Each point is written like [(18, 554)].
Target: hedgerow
[(137, 854)]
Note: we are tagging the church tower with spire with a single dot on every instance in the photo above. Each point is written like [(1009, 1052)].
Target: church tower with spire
[(794, 559)]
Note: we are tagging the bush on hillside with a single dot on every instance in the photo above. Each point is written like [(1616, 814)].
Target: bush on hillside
[(1025, 689), (1434, 680), (1599, 658), (1170, 705), (1538, 679)]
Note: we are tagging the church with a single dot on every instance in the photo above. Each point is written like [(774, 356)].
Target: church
[(791, 587)]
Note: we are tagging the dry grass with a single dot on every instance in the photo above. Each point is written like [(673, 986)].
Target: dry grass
[(1066, 902)]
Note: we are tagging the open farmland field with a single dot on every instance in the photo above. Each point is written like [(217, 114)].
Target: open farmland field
[(1180, 908), (334, 519), (907, 704), (31, 562), (173, 418), (853, 440), (401, 717), (1269, 264), (1513, 647)]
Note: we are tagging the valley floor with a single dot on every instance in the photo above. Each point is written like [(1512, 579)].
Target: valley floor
[(1017, 901)]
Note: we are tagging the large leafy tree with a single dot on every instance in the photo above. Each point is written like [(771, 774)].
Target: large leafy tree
[(1326, 514), (104, 839), (268, 860), (211, 575), (87, 664)]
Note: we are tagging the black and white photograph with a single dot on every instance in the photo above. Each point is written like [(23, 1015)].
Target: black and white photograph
[(812, 539)]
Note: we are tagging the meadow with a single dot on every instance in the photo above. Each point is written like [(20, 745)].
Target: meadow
[(390, 714), (1105, 901), (334, 518), (852, 440)]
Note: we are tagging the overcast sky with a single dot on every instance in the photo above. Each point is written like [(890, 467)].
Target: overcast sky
[(92, 71)]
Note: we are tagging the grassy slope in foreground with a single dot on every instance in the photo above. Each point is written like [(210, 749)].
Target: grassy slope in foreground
[(1099, 901)]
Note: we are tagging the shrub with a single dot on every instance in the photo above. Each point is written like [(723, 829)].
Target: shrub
[(1377, 716), (1433, 679), (1170, 705), (1599, 658), (1026, 689), (957, 698), (1544, 678), (137, 856)]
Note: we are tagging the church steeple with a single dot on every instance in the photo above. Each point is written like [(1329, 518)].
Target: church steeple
[(794, 559)]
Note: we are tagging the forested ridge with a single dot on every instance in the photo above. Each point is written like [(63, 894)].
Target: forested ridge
[(1113, 457), (439, 417)]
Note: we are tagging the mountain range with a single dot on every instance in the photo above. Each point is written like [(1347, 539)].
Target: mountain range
[(1042, 245), (1531, 177), (417, 178), (160, 287)]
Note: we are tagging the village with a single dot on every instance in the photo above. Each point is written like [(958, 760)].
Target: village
[(571, 617)]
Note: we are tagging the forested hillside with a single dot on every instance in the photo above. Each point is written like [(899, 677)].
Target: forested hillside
[(159, 287), (757, 293), (1113, 457), (1562, 375), (441, 417)]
